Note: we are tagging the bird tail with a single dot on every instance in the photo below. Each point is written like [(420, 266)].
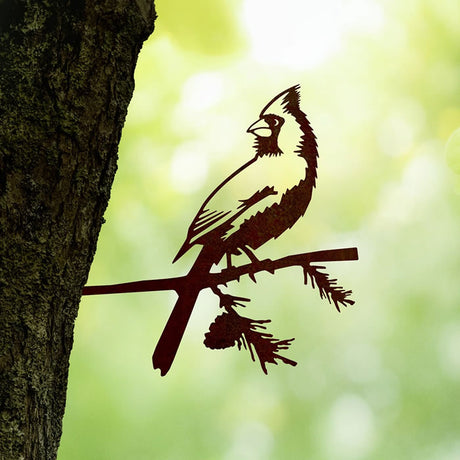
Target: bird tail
[(173, 332)]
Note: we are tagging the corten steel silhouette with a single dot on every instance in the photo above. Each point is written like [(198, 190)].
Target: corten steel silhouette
[(274, 190), (261, 213)]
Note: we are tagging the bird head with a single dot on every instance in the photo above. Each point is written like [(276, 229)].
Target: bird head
[(282, 127), (267, 128)]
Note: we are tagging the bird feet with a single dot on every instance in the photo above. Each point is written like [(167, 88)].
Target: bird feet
[(254, 267)]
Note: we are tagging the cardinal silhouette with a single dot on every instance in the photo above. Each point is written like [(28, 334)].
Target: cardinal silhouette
[(274, 189)]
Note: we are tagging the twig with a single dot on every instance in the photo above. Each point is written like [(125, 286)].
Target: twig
[(327, 287), (301, 260), (162, 284)]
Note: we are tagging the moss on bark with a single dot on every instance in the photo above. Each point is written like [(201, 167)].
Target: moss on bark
[(66, 79)]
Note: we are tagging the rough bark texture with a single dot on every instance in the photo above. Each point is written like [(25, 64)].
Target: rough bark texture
[(66, 78)]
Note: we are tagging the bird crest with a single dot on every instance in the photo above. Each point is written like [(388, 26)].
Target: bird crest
[(286, 101)]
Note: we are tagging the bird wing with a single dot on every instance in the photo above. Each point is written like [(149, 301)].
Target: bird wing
[(258, 184)]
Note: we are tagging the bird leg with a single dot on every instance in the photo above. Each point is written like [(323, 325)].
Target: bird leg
[(228, 301), (252, 257), (229, 260), (250, 254)]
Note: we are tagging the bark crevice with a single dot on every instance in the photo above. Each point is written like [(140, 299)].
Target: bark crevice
[(66, 80)]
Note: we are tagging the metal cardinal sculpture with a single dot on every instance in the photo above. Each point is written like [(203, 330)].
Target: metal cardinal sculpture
[(268, 204)]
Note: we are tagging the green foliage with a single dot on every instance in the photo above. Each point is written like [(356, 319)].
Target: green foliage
[(453, 152), (203, 26), (378, 380)]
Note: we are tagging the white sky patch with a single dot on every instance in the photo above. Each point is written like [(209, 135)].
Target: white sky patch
[(202, 91), (189, 168), (302, 35), (363, 16)]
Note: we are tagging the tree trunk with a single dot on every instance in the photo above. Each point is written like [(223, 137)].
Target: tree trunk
[(66, 78)]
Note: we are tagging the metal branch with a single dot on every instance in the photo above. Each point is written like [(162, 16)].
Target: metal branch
[(227, 275)]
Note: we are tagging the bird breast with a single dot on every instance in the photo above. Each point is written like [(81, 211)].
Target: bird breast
[(276, 174)]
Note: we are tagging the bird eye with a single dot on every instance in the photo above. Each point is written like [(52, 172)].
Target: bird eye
[(272, 120)]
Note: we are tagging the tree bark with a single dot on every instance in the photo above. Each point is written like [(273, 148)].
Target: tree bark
[(66, 78)]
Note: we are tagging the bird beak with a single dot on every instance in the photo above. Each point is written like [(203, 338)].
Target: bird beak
[(262, 128)]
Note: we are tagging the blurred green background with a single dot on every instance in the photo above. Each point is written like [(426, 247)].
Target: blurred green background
[(381, 86)]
